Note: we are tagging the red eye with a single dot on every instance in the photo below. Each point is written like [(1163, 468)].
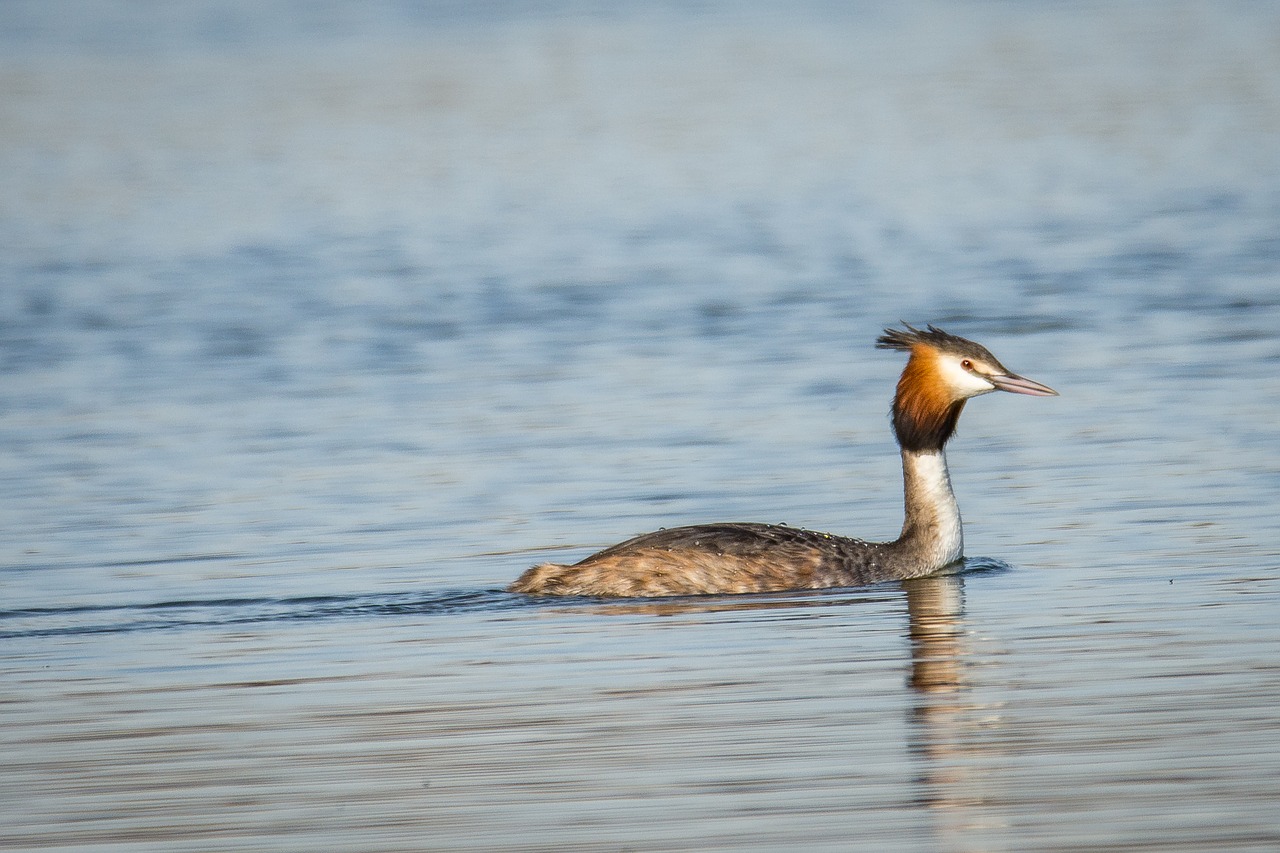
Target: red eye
[(967, 364)]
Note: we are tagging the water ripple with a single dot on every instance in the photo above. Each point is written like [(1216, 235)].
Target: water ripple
[(165, 615)]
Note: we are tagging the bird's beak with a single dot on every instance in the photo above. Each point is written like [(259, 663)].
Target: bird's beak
[(1016, 384)]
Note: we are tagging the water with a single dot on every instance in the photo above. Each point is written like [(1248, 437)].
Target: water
[(318, 324)]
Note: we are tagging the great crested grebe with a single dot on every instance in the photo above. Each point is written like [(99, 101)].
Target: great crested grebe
[(942, 373)]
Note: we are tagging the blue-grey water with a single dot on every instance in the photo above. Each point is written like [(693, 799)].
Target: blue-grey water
[(320, 322)]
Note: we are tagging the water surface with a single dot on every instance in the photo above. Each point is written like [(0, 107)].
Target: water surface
[(319, 324)]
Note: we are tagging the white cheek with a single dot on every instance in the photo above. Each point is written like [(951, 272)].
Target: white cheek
[(962, 382)]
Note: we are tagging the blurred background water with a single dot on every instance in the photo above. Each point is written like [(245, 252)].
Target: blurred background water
[(319, 322)]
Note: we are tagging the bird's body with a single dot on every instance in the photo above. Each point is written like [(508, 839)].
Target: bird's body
[(942, 372)]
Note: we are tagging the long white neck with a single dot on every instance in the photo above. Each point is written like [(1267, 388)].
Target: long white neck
[(932, 536)]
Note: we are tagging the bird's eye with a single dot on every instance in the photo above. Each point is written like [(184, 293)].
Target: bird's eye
[(967, 364)]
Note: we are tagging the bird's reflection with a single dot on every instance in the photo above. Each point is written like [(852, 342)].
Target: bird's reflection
[(944, 719), (935, 606), (946, 727)]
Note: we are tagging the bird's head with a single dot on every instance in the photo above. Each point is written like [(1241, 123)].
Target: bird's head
[(944, 370)]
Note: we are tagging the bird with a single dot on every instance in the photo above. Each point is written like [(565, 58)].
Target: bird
[(942, 372)]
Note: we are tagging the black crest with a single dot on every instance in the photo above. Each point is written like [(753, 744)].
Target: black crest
[(906, 339)]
